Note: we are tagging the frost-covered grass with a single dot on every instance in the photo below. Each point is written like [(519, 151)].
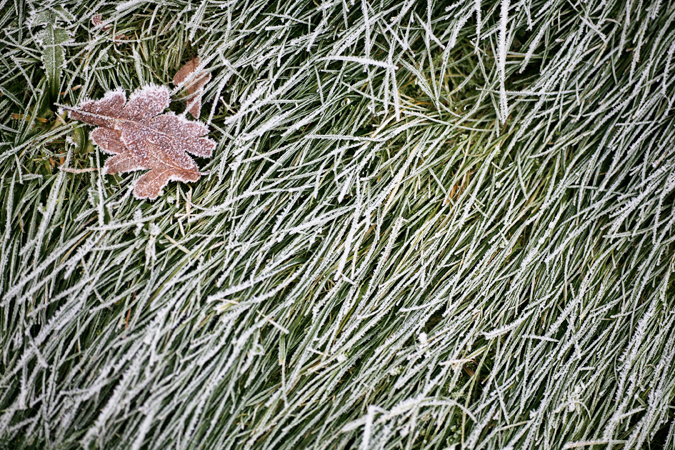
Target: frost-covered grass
[(426, 225)]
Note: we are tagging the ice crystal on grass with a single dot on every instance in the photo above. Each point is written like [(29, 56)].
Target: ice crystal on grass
[(435, 225), (97, 21), (142, 138)]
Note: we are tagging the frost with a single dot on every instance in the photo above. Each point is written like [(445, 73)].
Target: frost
[(402, 242)]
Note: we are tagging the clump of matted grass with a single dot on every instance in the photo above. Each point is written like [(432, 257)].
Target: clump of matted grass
[(425, 226)]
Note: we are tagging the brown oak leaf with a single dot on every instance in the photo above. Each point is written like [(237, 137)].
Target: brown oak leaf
[(194, 88), (141, 138)]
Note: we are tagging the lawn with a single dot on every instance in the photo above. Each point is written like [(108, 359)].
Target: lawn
[(424, 225)]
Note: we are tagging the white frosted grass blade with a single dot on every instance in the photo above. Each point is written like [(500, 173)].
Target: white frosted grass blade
[(359, 60)]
